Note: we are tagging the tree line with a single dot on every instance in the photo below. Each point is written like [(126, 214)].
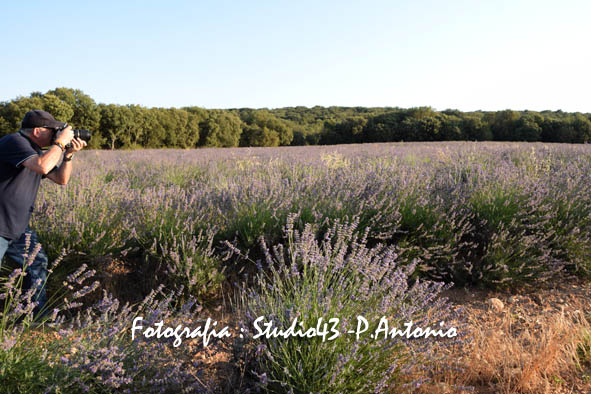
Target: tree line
[(134, 126)]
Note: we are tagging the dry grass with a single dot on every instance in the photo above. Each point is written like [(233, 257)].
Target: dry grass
[(536, 343)]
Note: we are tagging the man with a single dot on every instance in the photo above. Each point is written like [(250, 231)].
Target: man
[(22, 166)]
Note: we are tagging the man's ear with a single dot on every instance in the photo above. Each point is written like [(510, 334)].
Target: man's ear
[(36, 131)]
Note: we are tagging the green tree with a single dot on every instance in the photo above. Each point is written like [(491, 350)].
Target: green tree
[(475, 129), (425, 128), (115, 125), (221, 129), (385, 127), (4, 127), (347, 132), (451, 128), (503, 125), (582, 128), (14, 111), (528, 128), (262, 127), (86, 112), (255, 135), (142, 119), (59, 109), (181, 128)]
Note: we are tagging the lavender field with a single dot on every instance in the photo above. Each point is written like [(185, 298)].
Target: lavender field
[(472, 213), (373, 230)]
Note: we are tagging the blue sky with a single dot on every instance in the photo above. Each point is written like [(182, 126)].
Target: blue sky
[(468, 55)]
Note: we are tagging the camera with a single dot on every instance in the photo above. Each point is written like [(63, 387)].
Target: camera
[(78, 133), (82, 134)]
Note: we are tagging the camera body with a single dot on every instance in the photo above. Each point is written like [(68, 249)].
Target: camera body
[(78, 133)]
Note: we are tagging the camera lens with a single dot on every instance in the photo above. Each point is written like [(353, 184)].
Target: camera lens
[(82, 134)]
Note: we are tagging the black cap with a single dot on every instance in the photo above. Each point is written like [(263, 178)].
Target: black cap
[(39, 118)]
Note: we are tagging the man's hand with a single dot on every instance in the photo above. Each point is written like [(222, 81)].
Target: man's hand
[(62, 175), (65, 136), (77, 144)]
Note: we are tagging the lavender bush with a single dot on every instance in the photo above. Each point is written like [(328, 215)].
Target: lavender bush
[(74, 349), (85, 218), (191, 262), (97, 346), (341, 278)]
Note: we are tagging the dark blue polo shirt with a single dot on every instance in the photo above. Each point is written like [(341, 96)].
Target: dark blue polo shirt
[(18, 184)]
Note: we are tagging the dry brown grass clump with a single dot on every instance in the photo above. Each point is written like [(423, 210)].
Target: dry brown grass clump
[(525, 344)]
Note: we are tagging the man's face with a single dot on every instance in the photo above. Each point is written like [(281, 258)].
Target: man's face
[(44, 136)]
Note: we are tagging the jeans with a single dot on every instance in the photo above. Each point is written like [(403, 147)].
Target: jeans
[(15, 250)]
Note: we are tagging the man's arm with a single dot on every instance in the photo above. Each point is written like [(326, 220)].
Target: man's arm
[(62, 175), (44, 163)]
